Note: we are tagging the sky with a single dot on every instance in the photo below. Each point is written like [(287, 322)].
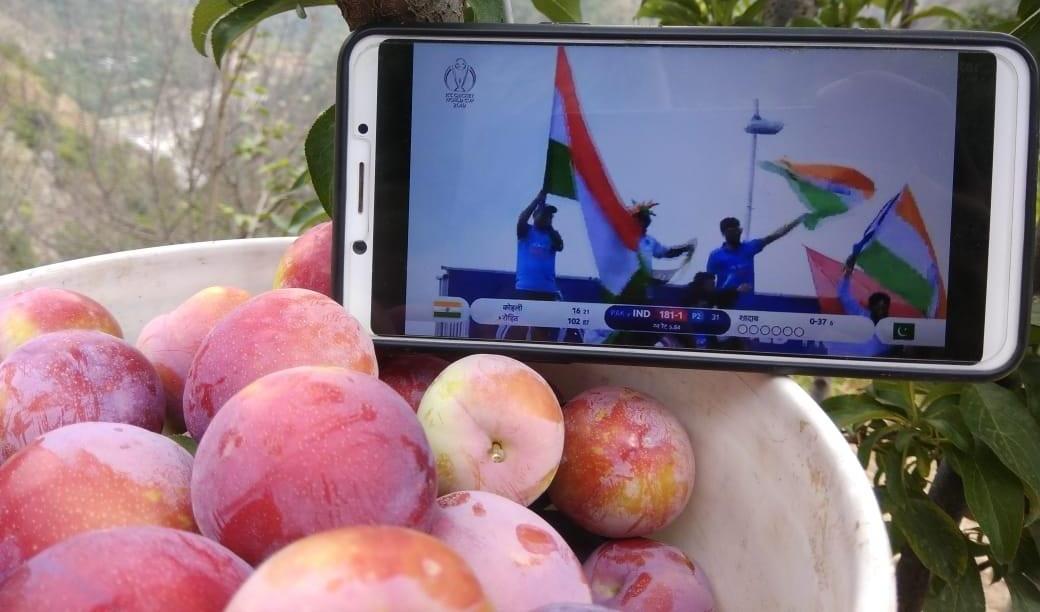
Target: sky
[(669, 126)]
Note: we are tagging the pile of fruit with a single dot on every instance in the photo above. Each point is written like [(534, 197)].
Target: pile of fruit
[(313, 475)]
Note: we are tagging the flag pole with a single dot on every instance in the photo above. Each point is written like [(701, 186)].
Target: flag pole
[(756, 126), (751, 179)]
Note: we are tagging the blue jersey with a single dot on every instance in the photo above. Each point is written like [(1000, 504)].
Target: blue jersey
[(735, 267), (536, 261)]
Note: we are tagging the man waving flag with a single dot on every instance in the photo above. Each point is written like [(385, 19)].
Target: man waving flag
[(575, 171)]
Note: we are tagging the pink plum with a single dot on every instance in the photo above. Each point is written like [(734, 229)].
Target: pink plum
[(273, 331), (310, 449), (520, 560), (307, 263), (363, 568), (143, 569), (411, 374), (90, 476), (640, 575), (74, 376), (171, 340), (34, 312)]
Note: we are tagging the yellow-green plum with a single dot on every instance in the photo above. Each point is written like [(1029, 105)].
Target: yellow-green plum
[(495, 425)]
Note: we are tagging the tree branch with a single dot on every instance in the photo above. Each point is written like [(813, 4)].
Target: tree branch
[(363, 12)]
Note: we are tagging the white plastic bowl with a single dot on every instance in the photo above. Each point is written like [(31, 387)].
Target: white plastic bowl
[(782, 516)]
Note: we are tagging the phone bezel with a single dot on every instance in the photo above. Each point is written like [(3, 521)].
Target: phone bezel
[(1003, 343)]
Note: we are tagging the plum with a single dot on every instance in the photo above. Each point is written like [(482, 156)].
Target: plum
[(310, 449), (143, 569), (494, 425), (276, 330), (34, 312), (75, 376), (363, 568), (171, 340), (520, 560), (90, 476), (628, 465), (307, 263)]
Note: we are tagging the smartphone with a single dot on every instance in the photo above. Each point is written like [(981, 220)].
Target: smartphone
[(780, 200)]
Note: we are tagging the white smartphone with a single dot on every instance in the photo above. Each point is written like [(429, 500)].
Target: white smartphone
[(776, 200)]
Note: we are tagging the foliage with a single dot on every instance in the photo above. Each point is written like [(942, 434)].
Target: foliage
[(828, 13), (697, 12), (990, 434)]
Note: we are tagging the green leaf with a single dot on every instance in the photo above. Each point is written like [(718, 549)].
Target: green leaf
[(320, 151), (672, 12), (829, 16), (1025, 596), (895, 394), (945, 417), (300, 180), (934, 537), (1034, 334), (962, 595), (1025, 9), (867, 22), (998, 418), (1029, 370), (751, 15), (309, 214), (1027, 561), (937, 391), (559, 11), (848, 411), (895, 487), (487, 11), (206, 13), (863, 451), (245, 17), (995, 497), (186, 442), (1033, 505), (935, 11)]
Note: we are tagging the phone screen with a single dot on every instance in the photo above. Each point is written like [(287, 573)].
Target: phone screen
[(814, 200)]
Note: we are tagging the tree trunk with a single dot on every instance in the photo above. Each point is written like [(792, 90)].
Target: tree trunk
[(909, 6), (363, 12), (779, 12), (912, 576)]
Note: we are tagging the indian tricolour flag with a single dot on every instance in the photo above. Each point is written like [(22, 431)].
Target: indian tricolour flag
[(825, 189), (574, 170), (897, 251)]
